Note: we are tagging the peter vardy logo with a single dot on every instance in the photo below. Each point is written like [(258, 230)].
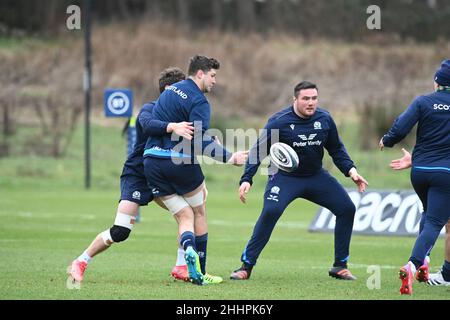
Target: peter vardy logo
[(307, 141), (304, 138)]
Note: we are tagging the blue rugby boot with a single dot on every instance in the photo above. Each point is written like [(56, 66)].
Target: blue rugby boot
[(193, 264)]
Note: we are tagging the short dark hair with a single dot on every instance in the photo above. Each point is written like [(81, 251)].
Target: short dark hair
[(202, 63), (170, 76), (304, 85)]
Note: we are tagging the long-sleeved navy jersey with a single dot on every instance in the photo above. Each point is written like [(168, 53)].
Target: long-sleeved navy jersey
[(183, 101), (432, 113), (142, 122), (308, 137)]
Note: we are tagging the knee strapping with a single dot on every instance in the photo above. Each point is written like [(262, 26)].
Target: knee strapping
[(175, 204), (121, 229), (197, 199), (119, 233), (124, 220)]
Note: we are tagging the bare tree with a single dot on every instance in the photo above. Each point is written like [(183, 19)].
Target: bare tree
[(246, 15), (217, 13), (183, 12), (154, 7), (6, 131), (273, 14), (432, 4), (54, 9), (123, 7)]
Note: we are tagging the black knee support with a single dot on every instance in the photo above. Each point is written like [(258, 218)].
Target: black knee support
[(119, 233)]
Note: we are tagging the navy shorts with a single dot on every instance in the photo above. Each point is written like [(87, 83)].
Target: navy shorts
[(166, 178), (133, 185)]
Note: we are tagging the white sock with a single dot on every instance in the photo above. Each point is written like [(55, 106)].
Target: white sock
[(180, 258), (412, 267), (84, 257)]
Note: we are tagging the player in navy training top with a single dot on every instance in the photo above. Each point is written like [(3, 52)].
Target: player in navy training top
[(430, 173), (170, 164), (133, 185), (434, 279), (308, 130)]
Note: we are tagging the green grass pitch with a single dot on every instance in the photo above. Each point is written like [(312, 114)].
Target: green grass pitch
[(47, 220), (40, 236)]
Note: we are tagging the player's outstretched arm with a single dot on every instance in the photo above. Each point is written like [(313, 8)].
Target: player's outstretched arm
[(358, 179), (402, 163), (243, 190), (238, 158)]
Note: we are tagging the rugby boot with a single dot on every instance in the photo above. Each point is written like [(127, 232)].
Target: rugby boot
[(423, 272), (209, 279), (180, 273), (406, 275), (77, 269), (243, 273), (436, 279), (341, 273), (193, 265)]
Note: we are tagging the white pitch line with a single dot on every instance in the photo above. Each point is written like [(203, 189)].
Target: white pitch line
[(27, 214), (41, 240), (365, 266), (350, 266), (289, 225)]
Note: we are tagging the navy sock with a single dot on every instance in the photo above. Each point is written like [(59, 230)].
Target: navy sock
[(340, 263), (416, 262), (201, 243), (187, 239), (247, 267), (446, 271)]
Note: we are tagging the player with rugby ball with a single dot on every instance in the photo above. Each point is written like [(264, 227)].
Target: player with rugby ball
[(304, 131)]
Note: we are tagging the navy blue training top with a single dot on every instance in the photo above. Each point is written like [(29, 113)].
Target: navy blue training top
[(143, 119), (183, 101), (308, 137), (432, 113)]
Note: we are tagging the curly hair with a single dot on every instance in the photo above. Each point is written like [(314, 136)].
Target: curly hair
[(202, 63), (170, 76)]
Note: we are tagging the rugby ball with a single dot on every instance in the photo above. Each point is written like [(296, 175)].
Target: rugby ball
[(283, 157)]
